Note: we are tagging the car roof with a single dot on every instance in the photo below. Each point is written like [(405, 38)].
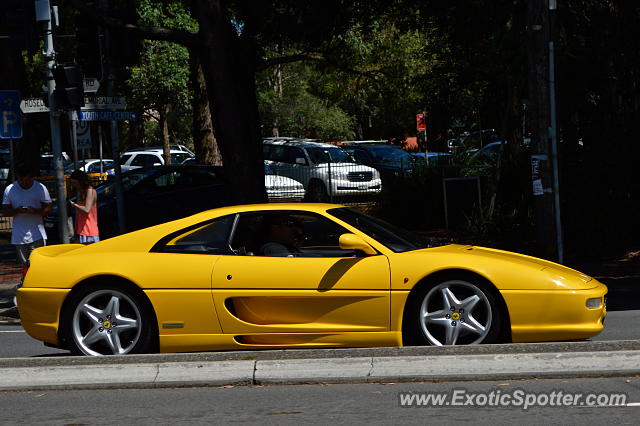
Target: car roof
[(367, 142), (303, 143), (155, 151), (376, 147)]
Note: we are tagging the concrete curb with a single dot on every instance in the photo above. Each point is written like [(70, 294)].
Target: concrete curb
[(372, 365)]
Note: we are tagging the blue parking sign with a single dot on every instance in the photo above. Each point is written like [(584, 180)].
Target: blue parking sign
[(10, 115)]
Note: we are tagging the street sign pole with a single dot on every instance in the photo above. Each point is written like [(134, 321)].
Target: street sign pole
[(73, 119), (43, 14), (12, 171)]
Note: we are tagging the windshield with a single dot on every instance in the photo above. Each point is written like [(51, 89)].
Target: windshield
[(392, 237), (320, 155), (179, 157), (390, 155)]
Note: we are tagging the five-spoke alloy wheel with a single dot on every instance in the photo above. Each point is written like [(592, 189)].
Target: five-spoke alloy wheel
[(453, 312), (107, 321)]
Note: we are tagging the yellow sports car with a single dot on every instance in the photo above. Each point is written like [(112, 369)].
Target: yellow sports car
[(293, 276)]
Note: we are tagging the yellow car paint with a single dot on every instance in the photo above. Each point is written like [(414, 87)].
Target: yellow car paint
[(221, 302)]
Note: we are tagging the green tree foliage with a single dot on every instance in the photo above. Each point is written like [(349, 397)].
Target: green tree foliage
[(159, 83)]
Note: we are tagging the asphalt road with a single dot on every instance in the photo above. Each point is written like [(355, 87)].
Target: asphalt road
[(325, 404), (14, 342)]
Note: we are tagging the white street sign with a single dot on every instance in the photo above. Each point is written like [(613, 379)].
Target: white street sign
[(91, 85), (83, 134), (104, 102), (33, 105), (91, 103)]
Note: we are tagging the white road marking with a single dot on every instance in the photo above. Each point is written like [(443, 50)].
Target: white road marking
[(11, 331)]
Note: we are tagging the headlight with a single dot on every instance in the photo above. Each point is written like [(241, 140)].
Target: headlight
[(594, 303)]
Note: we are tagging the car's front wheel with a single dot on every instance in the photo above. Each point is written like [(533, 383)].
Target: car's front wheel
[(452, 312), (108, 321)]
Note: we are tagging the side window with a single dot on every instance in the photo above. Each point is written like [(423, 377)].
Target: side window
[(124, 158), (145, 160), (169, 179), (361, 157), (207, 238), (191, 178), (288, 234), (277, 153), (267, 150), (295, 152)]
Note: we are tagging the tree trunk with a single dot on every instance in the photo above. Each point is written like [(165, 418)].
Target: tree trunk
[(229, 61), (204, 140)]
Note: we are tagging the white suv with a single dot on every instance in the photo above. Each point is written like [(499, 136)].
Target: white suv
[(136, 158), (324, 170)]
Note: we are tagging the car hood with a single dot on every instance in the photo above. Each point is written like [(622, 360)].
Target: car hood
[(276, 181), (506, 270), (351, 167)]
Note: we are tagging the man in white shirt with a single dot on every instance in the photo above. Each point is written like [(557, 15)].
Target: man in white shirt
[(27, 201)]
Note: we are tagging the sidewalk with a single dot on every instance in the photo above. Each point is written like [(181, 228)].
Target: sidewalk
[(10, 275)]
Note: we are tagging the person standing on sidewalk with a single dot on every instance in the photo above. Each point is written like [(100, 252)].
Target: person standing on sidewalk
[(86, 223), (27, 201)]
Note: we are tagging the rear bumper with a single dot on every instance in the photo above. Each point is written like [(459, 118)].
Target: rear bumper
[(40, 310)]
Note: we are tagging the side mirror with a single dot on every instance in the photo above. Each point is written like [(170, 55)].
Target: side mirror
[(301, 161), (354, 242)]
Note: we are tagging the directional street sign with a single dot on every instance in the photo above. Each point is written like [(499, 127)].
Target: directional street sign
[(104, 102), (10, 116), (91, 85), (106, 115), (33, 105), (91, 103)]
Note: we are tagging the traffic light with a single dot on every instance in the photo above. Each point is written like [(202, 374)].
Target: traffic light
[(69, 91)]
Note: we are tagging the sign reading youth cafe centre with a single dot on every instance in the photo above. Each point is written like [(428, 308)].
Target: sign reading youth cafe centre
[(107, 115)]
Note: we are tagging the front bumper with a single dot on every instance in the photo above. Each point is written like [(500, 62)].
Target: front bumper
[(538, 316)]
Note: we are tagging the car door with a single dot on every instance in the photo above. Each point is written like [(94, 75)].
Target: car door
[(180, 265), (319, 288)]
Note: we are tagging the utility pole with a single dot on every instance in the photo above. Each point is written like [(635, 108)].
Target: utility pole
[(544, 165), (43, 15), (538, 32)]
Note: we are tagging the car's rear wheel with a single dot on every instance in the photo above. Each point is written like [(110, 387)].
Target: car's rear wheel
[(317, 192), (108, 321), (452, 312)]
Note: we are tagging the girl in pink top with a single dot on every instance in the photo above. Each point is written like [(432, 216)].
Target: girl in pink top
[(86, 223)]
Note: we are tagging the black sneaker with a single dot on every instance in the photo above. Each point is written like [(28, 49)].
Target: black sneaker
[(10, 312)]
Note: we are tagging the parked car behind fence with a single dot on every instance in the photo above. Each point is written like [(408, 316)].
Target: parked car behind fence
[(326, 171)]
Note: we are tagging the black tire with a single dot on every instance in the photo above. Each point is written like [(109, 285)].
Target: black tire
[(433, 317), (317, 192), (108, 320)]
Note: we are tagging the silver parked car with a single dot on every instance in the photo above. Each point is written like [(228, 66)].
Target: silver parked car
[(324, 170)]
